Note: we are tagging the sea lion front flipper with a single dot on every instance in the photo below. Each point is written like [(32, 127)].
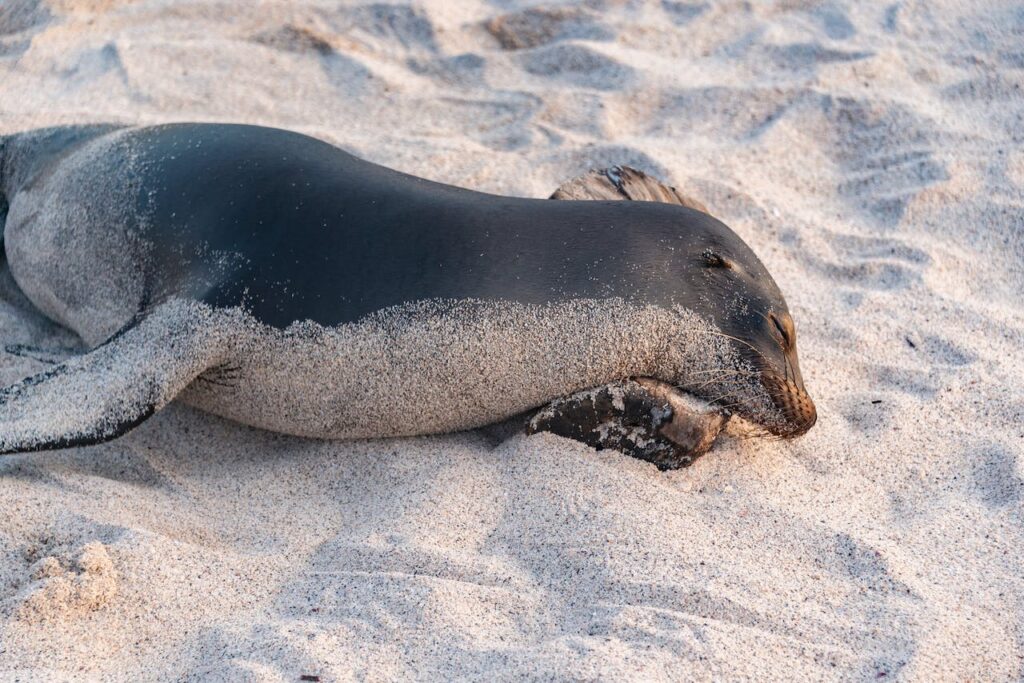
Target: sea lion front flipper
[(642, 418), (693, 426), (105, 393), (623, 182)]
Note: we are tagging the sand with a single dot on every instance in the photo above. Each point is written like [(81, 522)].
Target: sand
[(870, 153)]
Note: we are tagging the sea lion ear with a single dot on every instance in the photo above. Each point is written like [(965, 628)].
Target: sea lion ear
[(713, 259), (623, 182)]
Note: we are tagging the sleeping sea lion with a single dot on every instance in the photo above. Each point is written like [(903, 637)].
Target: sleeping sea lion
[(274, 279)]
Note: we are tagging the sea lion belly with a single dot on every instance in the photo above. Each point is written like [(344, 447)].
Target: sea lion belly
[(440, 366)]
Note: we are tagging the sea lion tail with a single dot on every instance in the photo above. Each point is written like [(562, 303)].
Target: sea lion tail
[(103, 394)]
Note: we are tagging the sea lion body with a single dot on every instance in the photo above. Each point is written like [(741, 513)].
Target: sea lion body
[(332, 297)]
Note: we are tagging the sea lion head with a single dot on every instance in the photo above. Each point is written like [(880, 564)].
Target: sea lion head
[(748, 313)]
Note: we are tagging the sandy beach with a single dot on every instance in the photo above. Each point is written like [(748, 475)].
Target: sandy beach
[(872, 154)]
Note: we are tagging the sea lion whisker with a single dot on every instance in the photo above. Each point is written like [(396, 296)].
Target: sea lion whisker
[(729, 406), (696, 388), (730, 376), (745, 343), (724, 370), (717, 401), (216, 382), (723, 378)]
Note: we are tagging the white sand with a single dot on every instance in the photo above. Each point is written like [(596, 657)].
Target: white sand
[(873, 157)]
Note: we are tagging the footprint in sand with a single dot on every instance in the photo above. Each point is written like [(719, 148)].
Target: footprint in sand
[(542, 25), (20, 15), (876, 263), (578, 65), (997, 475), (885, 154)]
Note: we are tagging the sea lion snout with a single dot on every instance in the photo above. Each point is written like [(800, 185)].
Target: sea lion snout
[(786, 388), (796, 406)]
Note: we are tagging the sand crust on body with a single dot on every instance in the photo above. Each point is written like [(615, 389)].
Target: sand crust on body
[(442, 366), (870, 153)]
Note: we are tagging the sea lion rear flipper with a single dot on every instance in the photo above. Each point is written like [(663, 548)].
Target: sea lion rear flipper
[(642, 418), (623, 182), (40, 354), (105, 393)]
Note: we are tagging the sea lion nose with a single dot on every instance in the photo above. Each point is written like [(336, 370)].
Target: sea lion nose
[(795, 404), (807, 415)]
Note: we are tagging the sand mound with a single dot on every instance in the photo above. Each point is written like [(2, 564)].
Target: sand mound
[(58, 591)]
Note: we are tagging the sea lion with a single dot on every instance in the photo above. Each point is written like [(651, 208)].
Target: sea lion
[(274, 279)]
